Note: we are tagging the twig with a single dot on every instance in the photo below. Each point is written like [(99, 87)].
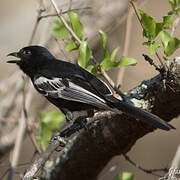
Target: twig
[(64, 12), (175, 165), (138, 17), (151, 62), (29, 128), (64, 21), (39, 162), (70, 5), (126, 43), (40, 10), (148, 171), (17, 147), (175, 24)]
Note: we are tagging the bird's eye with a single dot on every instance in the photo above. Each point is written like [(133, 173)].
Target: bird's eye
[(27, 52)]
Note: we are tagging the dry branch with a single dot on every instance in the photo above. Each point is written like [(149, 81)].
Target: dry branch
[(111, 134)]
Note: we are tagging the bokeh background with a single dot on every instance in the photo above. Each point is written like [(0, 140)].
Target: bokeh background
[(156, 149)]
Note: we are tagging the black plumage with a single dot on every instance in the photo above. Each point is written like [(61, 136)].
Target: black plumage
[(71, 88)]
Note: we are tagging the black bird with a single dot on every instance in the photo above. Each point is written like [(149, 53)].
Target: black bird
[(72, 88)]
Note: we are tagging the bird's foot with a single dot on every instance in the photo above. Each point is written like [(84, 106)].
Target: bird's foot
[(78, 124), (57, 137)]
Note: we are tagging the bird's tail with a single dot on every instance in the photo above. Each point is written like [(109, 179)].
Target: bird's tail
[(140, 114)]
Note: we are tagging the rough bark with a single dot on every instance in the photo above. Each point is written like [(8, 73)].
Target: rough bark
[(110, 134)]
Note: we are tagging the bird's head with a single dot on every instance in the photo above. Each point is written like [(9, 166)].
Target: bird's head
[(31, 57)]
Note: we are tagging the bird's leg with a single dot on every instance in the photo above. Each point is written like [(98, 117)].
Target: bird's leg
[(68, 114), (78, 124)]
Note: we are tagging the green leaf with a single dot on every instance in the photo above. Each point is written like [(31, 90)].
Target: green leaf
[(170, 44), (124, 176), (167, 20), (59, 30), (93, 69), (124, 61), (174, 5), (165, 58), (127, 176), (114, 53), (77, 26), (153, 46), (151, 28), (104, 39), (70, 45), (84, 54), (149, 25), (50, 122)]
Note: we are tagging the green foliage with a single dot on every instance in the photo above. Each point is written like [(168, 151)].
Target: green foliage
[(84, 54), (152, 45), (170, 44), (175, 5), (152, 28), (59, 30), (127, 176), (70, 45), (49, 123), (124, 176), (109, 61), (76, 24)]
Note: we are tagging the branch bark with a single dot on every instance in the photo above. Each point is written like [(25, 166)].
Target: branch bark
[(109, 135)]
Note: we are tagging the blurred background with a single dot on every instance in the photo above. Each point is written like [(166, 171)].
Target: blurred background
[(17, 19)]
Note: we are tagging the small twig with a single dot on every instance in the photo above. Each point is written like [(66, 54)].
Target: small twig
[(64, 21), (70, 5), (175, 165), (139, 19), (39, 162), (126, 43), (148, 171), (40, 10), (63, 12), (17, 147), (175, 24), (29, 128), (151, 62)]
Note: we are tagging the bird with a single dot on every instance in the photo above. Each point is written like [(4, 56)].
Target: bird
[(72, 88)]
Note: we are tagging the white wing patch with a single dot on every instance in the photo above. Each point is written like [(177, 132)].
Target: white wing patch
[(65, 89)]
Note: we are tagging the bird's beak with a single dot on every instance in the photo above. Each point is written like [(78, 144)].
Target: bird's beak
[(15, 54)]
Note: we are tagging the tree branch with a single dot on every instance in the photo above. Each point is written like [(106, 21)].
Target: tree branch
[(110, 134)]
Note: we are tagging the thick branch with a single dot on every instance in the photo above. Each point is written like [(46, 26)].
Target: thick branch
[(88, 152)]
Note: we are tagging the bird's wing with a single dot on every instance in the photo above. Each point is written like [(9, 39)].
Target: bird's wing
[(68, 89)]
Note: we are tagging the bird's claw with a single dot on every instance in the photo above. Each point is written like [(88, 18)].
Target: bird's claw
[(57, 137)]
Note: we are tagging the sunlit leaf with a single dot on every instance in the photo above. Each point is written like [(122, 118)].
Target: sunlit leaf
[(153, 46), (70, 45), (174, 5), (170, 44), (84, 54), (127, 176), (114, 53), (167, 20), (59, 30), (77, 26)]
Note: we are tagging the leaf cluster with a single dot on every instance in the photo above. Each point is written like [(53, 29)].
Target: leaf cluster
[(152, 29), (84, 51)]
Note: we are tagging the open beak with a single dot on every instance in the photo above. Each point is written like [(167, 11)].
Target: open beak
[(15, 54)]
